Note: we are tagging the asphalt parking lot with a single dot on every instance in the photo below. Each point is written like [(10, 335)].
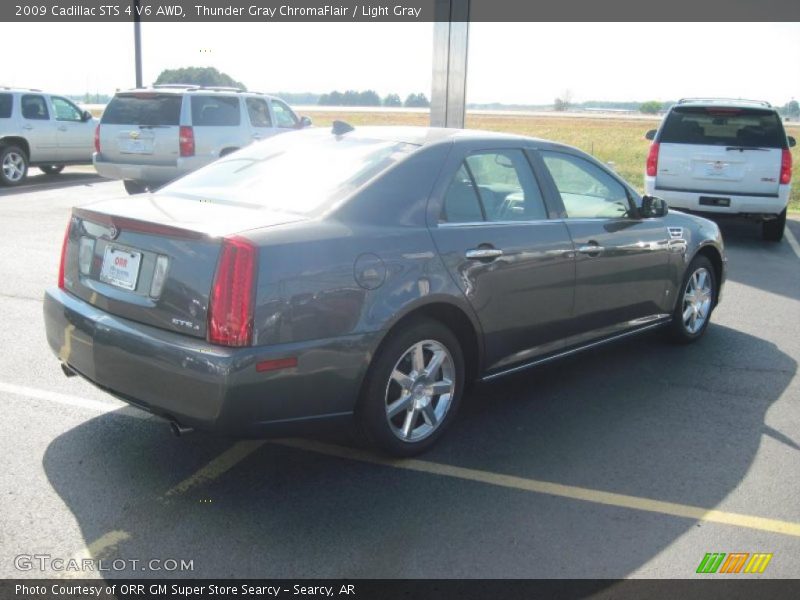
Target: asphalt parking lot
[(633, 460)]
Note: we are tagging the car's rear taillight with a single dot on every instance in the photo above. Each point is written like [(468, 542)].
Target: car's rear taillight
[(652, 160), (786, 166), (62, 264), (97, 139), (230, 312), (186, 141)]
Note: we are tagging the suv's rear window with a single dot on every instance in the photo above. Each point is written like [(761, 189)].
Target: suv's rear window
[(723, 126), (215, 110), (5, 106), (143, 109)]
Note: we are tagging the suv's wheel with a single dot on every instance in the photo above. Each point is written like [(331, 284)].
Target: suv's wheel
[(13, 165), (772, 231), (695, 303), (413, 389), (51, 169), (134, 187)]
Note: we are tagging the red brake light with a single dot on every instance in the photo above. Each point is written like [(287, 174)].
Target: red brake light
[(62, 264), (97, 139), (652, 160), (786, 166), (186, 141), (230, 312)]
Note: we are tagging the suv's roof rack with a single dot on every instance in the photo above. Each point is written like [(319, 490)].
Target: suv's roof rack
[(738, 100), (221, 88), (176, 86)]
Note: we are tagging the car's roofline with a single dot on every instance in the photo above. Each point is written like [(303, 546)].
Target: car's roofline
[(723, 103), (179, 89)]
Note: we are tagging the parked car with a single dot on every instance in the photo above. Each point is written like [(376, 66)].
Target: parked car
[(148, 137), (42, 130), (723, 156), (368, 273)]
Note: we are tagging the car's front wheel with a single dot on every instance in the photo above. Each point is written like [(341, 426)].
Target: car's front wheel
[(13, 165), (51, 169), (694, 305), (772, 231), (413, 388)]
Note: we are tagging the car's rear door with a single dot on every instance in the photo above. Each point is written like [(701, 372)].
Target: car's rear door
[(621, 260), (514, 265), (719, 150), (141, 128), (38, 128), (258, 113)]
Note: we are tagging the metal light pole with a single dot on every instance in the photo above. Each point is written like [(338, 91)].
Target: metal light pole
[(450, 49), (137, 42)]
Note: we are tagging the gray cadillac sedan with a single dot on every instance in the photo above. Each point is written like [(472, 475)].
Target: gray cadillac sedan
[(368, 275)]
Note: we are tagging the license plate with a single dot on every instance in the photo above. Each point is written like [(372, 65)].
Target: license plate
[(121, 267), (137, 147)]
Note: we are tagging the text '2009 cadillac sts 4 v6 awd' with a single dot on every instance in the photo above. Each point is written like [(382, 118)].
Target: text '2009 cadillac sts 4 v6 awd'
[(368, 274)]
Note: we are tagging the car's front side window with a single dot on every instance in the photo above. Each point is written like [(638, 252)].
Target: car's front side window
[(586, 190), (494, 186), (284, 116), (65, 110)]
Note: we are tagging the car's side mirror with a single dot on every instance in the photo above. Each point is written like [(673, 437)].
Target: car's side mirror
[(650, 135), (305, 122), (86, 116), (792, 142), (653, 207)]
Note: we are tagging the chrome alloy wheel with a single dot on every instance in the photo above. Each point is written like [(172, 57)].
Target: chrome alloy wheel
[(14, 166), (697, 300), (420, 391)]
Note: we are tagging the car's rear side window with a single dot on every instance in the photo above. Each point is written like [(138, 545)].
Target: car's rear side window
[(143, 109), (215, 111), (723, 126), (5, 106)]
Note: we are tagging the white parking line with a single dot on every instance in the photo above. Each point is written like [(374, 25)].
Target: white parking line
[(95, 405), (792, 241)]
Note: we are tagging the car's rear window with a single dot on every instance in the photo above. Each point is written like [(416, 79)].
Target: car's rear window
[(301, 172), (723, 126), (143, 109), (215, 111), (5, 106)]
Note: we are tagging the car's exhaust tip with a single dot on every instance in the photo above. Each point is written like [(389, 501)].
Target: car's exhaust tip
[(179, 430), (67, 371)]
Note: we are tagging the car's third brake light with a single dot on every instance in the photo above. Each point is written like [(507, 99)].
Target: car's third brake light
[(652, 160), (786, 166), (186, 141), (230, 313)]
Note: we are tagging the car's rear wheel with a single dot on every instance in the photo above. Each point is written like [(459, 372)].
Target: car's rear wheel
[(413, 389), (134, 187), (13, 165), (695, 303), (51, 169), (772, 231)]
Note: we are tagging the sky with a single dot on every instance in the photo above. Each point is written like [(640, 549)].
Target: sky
[(522, 63)]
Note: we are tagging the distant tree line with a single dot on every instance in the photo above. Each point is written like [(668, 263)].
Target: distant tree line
[(371, 98), (206, 76)]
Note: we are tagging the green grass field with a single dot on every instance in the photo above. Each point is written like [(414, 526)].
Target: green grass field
[(616, 140)]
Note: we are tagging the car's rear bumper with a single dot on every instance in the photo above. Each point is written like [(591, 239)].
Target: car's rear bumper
[(144, 173), (203, 386), (739, 204)]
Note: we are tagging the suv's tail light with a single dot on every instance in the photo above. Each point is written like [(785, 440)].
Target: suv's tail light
[(652, 160), (786, 166), (186, 141), (97, 139), (62, 265), (230, 313)]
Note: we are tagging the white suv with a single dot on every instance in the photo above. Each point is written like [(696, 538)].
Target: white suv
[(150, 136), (42, 130), (725, 157)]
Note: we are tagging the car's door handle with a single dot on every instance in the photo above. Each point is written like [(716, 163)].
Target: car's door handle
[(256, 136), (483, 253), (62, 128), (590, 249), (26, 126)]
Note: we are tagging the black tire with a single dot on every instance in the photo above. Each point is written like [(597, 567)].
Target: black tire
[(13, 165), (772, 231), (680, 331), (51, 169), (134, 187), (381, 389)]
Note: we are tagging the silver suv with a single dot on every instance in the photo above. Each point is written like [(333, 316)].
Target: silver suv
[(723, 156), (41, 130), (150, 136)]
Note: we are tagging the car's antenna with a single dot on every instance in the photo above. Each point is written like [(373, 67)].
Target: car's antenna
[(341, 127)]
